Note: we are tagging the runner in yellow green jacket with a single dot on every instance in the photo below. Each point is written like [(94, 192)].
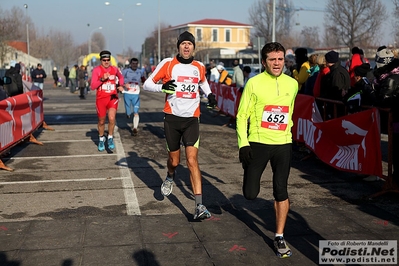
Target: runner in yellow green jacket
[(267, 104)]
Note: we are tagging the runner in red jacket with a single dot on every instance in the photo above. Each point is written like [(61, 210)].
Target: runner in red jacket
[(107, 80)]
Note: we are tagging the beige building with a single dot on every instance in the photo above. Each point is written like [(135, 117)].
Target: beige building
[(215, 39)]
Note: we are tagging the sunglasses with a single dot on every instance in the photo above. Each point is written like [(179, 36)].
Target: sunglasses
[(105, 60)]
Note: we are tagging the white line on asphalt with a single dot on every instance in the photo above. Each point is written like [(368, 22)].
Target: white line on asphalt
[(61, 180), (69, 140), (63, 156), (70, 130), (132, 204)]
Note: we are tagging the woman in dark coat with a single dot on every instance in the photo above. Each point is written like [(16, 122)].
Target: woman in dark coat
[(55, 77), (82, 81)]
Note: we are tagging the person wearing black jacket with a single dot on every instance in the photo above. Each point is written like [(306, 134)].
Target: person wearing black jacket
[(38, 76), (336, 83), (386, 84), (55, 77), (66, 75), (16, 87)]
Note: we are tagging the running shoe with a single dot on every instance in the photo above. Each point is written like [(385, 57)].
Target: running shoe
[(135, 131), (281, 248), (201, 212), (101, 145), (167, 186), (111, 144)]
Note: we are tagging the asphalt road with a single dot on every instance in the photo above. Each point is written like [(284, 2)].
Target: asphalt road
[(67, 187)]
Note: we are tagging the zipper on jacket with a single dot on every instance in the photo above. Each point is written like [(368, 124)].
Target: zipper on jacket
[(278, 89)]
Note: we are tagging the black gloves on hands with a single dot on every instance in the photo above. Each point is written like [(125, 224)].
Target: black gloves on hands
[(212, 103), (245, 156), (169, 87)]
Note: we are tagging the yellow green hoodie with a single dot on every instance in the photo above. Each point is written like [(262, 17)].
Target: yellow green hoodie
[(268, 102)]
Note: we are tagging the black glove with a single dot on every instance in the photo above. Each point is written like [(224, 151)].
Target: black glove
[(169, 87), (212, 103), (245, 156)]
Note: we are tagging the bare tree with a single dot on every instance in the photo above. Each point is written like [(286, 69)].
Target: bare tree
[(63, 48), (395, 14), (97, 42), (310, 37), (261, 17), (330, 39), (52, 44), (354, 22)]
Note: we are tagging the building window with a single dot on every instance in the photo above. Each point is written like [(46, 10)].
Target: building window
[(228, 35), (215, 35), (199, 35)]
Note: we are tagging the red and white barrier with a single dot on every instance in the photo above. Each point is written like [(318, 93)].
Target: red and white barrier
[(20, 116)]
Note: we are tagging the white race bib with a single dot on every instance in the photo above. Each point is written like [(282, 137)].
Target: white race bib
[(187, 87), (133, 87), (275, 117), (108, 87)]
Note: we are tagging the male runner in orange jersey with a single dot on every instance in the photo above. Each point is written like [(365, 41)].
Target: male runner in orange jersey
[(182, 77)]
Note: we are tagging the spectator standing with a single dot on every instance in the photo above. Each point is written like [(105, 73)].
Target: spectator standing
[(72, 78), (313, 73), (38, 76), (247, 71), (66, 75), (182, 76), (356, 60), (55, 77), (82, 81), (324, 70), (360, 91), (214, 73), (386, 85), (103, 80), (289, 64), (336, 83), (16, 87), (300, 73), (267, 103), (238, 76), (224, 76), (133, 78)]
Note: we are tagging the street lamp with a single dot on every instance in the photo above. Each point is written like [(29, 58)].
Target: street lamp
[(27, 36), (159, 33), (123, 24), (91, 32)]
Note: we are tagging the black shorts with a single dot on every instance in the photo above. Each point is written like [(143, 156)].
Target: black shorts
[(280, 162), (178, 129)]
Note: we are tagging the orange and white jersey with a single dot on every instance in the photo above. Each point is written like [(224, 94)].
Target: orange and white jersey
[(189, 78)]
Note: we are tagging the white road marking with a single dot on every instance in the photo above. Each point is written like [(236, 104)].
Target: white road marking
[(62, 180), (62, 156), (132, 204)]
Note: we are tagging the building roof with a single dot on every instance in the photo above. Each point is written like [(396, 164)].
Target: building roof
[(217, 22), (211, 22), (18, 45)]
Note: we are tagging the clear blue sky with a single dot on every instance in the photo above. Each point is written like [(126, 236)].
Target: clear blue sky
[(140, 21)]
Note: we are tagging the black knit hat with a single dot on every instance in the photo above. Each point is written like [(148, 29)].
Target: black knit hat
[(355, 50), (332, 57), (362, 70), (185, 36)]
